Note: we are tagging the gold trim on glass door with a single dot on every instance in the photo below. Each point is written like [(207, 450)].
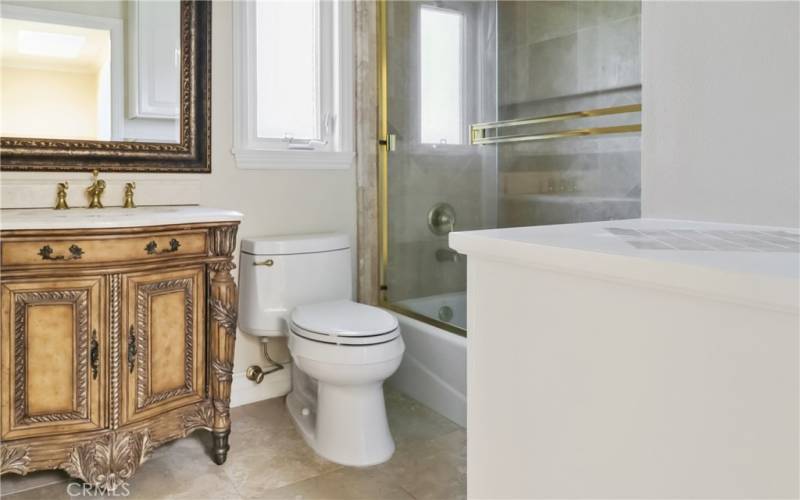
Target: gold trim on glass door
[(477, 131), (387, 144), (383, 149)]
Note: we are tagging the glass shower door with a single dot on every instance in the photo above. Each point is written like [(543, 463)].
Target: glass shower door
[(440, 78), (499, 114)]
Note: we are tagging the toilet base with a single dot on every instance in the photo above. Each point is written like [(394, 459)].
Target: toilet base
[(347, 425)]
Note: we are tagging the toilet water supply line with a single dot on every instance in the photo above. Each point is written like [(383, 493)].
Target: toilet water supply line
[(256, 373)]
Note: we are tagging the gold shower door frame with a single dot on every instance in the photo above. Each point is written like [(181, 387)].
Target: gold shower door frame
[(383, 177)]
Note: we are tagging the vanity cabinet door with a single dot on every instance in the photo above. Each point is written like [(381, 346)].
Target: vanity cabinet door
[(53, 356), (164, 346)]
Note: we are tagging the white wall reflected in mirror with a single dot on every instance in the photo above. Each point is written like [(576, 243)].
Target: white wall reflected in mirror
[(106, 71), (56, 81)]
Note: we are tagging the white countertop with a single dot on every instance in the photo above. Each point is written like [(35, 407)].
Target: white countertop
[(80, 218), (757, 264)]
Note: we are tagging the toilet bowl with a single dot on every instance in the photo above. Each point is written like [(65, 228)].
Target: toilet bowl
[(335, 345), (342, 351)]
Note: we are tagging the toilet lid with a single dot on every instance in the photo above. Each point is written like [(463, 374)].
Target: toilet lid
[(344, 318)]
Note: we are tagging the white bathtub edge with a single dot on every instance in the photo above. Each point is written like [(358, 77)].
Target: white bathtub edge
[(421, 382)]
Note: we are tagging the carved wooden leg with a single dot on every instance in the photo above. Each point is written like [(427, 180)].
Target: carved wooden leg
[(14, 459), (109, 461), (221, 446), (223, 305)]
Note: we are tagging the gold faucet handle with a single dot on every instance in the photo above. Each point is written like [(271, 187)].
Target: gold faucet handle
[(61, 195), (128, 202)]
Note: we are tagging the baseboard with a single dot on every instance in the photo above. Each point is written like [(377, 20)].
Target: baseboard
[(244, 391), (415, 380)]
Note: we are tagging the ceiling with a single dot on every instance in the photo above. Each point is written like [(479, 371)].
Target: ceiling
[(54, 47)]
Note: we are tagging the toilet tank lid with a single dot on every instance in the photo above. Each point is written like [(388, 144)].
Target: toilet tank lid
[(295, 243)]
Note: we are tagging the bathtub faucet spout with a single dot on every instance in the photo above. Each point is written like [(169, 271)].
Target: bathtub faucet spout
[(448, 255)]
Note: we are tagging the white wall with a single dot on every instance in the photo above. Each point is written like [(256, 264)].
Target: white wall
[(720, 120), (273, 201), (49, 103)]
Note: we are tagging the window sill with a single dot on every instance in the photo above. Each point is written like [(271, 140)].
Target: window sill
[(256, 159)]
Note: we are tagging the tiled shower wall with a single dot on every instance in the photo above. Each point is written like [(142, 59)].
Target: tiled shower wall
[(557, 57)]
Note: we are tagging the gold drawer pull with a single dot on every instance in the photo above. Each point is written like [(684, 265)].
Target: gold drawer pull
[(131, 349), (94, 356), (152, 247), (75, 253), (268, 263)]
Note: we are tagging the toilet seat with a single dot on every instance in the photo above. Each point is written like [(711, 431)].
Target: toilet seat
[(344, 341), (344, 323)]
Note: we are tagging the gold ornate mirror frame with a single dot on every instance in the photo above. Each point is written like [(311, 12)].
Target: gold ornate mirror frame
[(191, 154)]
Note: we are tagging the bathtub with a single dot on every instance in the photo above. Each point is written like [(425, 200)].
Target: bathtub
[(434, 367)]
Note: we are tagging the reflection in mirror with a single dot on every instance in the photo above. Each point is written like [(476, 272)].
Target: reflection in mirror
[(106, 71)]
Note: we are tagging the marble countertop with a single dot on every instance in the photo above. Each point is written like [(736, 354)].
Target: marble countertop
[(86, 218), (751, 263)]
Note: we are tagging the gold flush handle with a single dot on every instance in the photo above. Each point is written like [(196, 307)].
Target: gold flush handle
[(268, 263)]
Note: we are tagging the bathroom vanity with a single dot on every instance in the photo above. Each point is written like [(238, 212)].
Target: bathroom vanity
[(633, 359), (118, 330)]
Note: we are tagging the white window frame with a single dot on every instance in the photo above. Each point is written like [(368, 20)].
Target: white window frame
[(253, 152)]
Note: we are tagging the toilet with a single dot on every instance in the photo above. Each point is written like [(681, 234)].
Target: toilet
[(342, 351)]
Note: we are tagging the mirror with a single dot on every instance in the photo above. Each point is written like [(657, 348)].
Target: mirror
[(115, 85)]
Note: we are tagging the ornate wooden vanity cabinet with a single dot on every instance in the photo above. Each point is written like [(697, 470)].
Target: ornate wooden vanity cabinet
[(113, 342)]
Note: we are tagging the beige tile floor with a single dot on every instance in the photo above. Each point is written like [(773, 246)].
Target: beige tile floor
[(268, 459)]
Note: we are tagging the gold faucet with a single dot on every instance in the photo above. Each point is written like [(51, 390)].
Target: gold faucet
[(95, 191), (61, 196), (129, 187)]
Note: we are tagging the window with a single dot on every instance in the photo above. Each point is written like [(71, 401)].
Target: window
[(293, 84), (287, 44), (441, 76)]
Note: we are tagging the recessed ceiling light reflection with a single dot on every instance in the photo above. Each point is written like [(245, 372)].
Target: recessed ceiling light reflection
[(42, 43)]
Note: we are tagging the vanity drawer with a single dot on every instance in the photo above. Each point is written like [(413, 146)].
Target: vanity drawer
[(103, 249)]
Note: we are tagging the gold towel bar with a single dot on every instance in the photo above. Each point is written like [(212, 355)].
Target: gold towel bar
[(478, 130)]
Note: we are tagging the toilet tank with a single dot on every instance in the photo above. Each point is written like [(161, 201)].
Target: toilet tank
[(278, 273)]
